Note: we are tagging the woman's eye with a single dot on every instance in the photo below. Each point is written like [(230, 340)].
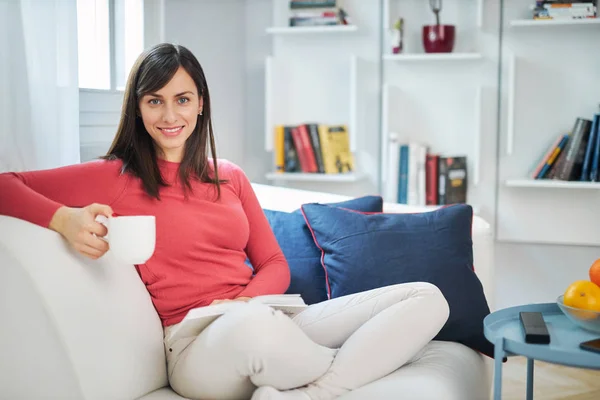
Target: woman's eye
[(183, 100), (154, 101)]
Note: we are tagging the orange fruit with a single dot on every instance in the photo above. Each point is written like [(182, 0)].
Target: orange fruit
[(584, 295), (595, 272)]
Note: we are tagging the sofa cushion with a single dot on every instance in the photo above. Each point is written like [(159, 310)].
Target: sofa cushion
[(303, 256), (365, 251)]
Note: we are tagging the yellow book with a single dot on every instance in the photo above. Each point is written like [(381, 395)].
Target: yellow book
[(326, 150), (336, 149), (279, 148)]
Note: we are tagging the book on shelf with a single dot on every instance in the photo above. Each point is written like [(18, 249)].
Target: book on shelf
[(573, 156), (415, 176), (317, 13), (564, 10), (302, 4), (313, 148), (198, 319), (547, 162)]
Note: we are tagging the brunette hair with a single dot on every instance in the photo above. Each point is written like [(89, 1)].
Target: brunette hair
[(132, 144)]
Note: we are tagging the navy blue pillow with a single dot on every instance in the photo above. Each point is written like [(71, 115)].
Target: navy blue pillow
[(303, 256), (363, 252)]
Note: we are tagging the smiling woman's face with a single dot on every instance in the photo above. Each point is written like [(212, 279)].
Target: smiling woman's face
[(170, 115)]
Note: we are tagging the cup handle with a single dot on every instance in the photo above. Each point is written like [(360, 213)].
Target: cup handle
[(104, 221)]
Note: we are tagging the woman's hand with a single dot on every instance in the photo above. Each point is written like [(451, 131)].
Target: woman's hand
[(80, 228), (244, 299)]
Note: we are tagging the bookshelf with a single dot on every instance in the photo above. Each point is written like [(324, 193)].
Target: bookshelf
[(336, 87), (432, 57), (417, 13), (303, 177), (302, 30), (551, 184), (289, 100), (540, 100), (529, 23), (442, 100)]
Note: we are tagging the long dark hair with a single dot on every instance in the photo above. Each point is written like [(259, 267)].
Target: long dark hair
[(132, 144)]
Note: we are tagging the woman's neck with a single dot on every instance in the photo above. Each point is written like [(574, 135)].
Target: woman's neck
[(172, 157)]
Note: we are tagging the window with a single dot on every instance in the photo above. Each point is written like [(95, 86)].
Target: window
[(110, 36)]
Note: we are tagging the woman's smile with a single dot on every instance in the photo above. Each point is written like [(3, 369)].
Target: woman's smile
[(171, 131)]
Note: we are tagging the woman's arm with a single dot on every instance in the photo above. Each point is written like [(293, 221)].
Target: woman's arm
[(272, 274), (36, 196)]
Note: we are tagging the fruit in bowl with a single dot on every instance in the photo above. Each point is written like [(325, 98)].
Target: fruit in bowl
[(581, 304), (595, 272), (583, 295)]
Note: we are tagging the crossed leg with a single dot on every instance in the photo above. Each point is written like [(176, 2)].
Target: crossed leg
[(329, 349)]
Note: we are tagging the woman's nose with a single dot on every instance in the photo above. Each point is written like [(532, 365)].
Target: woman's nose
[(169, 114)]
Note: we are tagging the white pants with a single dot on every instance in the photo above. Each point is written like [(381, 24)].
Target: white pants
[(335, 346)]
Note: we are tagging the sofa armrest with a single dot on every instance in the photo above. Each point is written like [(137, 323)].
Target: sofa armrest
[(32, 351), (78, 328)]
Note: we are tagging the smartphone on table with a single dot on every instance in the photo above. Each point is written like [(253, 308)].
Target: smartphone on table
[(591, 345)]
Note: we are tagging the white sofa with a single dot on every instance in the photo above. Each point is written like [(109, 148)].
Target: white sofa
[(74, 328)]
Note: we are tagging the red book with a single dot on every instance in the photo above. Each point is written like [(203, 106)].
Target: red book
[(307, 149), (431, 179), (301, 150)]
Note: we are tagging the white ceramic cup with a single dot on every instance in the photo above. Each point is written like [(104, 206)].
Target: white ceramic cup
[(131, 238)]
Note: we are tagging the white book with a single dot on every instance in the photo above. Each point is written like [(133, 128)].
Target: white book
[(198, 319), (416, 173), (413, 174), (421, 175), (393, 165)]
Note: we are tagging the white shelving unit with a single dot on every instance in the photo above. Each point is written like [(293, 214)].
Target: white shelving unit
[(282, 109), (303, 177), (331, 88), (302, 30), (406, 8), (432, 57), (553, 23), (551, 184), (532, 116), (414, 89)]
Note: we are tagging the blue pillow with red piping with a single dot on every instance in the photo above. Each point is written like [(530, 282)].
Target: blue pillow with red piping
[(363, 251)]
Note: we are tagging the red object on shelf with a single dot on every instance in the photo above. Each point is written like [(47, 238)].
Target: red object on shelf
[(438, 38)]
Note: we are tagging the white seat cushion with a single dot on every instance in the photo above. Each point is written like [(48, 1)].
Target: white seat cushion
[(443, 370), (165, 393)]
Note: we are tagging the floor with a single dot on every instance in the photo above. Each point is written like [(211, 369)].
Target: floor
[(551, 382)]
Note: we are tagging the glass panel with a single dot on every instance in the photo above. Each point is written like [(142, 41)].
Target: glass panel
[(93, 44), (129, 36)]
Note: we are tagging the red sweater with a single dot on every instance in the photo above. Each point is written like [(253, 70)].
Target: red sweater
[(201, 243)]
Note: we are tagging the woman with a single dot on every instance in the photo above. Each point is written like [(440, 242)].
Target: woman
[(208, 220)]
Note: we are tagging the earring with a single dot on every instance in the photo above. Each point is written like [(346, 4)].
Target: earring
[(200, 113)]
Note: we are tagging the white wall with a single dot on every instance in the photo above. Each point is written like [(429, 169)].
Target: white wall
[(528, 273), (256, 162), (214, 30)]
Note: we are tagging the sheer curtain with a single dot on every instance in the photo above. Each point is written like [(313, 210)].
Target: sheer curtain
[(39, 94)]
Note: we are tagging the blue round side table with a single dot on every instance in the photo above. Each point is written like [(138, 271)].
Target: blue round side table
[(503, 329)]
